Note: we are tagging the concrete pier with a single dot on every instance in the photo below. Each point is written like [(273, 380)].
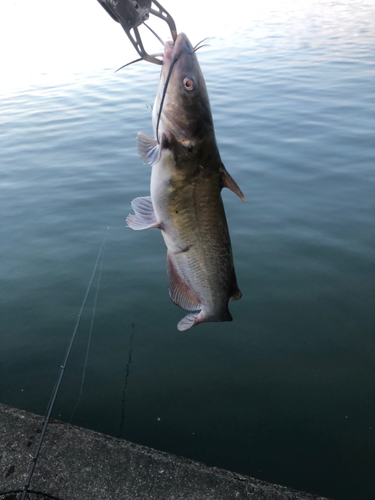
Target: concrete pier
[(79, 464)]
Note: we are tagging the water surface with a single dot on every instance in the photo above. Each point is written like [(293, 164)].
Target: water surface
[(285, 393)]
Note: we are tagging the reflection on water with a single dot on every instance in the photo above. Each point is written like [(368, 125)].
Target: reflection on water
[(285, 392)]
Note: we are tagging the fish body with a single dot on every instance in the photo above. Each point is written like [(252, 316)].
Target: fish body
[(186, 182)]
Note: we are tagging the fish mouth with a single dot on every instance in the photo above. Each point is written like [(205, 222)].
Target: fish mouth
[(173, 50), (168, 51)]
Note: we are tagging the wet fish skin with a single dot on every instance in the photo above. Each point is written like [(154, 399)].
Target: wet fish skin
[(186, 182)]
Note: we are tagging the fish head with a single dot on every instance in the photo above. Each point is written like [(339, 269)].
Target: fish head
[(182, 110)]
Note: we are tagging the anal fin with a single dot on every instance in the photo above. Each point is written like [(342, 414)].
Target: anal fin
[(179, 291), (144, 216)]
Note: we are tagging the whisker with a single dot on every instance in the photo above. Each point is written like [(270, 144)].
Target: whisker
[(204, 39), (128, 64), (159, 54), (200, 47), (157, 36)]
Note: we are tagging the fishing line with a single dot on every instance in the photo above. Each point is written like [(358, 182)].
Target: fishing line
[(127, 371), (90, 334), (164, 94), (47, 419)]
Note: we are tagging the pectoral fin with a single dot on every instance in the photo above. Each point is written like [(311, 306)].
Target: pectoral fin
[(230, 183), (144, 215), (179, 290), (148, 148)]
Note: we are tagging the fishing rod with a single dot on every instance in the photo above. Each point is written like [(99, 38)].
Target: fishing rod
[(62, 370)]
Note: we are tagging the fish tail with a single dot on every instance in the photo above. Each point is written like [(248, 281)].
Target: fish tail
[(188, 322), (194, 319)]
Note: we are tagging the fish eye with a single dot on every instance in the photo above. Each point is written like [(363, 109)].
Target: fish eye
[(189, 83)]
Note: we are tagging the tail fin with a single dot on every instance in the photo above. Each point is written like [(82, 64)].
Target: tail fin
[(188, 321), (194, 319)]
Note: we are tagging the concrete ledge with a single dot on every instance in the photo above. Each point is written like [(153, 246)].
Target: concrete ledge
[(79, 464)]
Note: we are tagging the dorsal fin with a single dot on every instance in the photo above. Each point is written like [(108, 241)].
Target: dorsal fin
[(230, 183)]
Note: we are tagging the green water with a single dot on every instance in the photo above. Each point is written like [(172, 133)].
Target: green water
[(285, 393)]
